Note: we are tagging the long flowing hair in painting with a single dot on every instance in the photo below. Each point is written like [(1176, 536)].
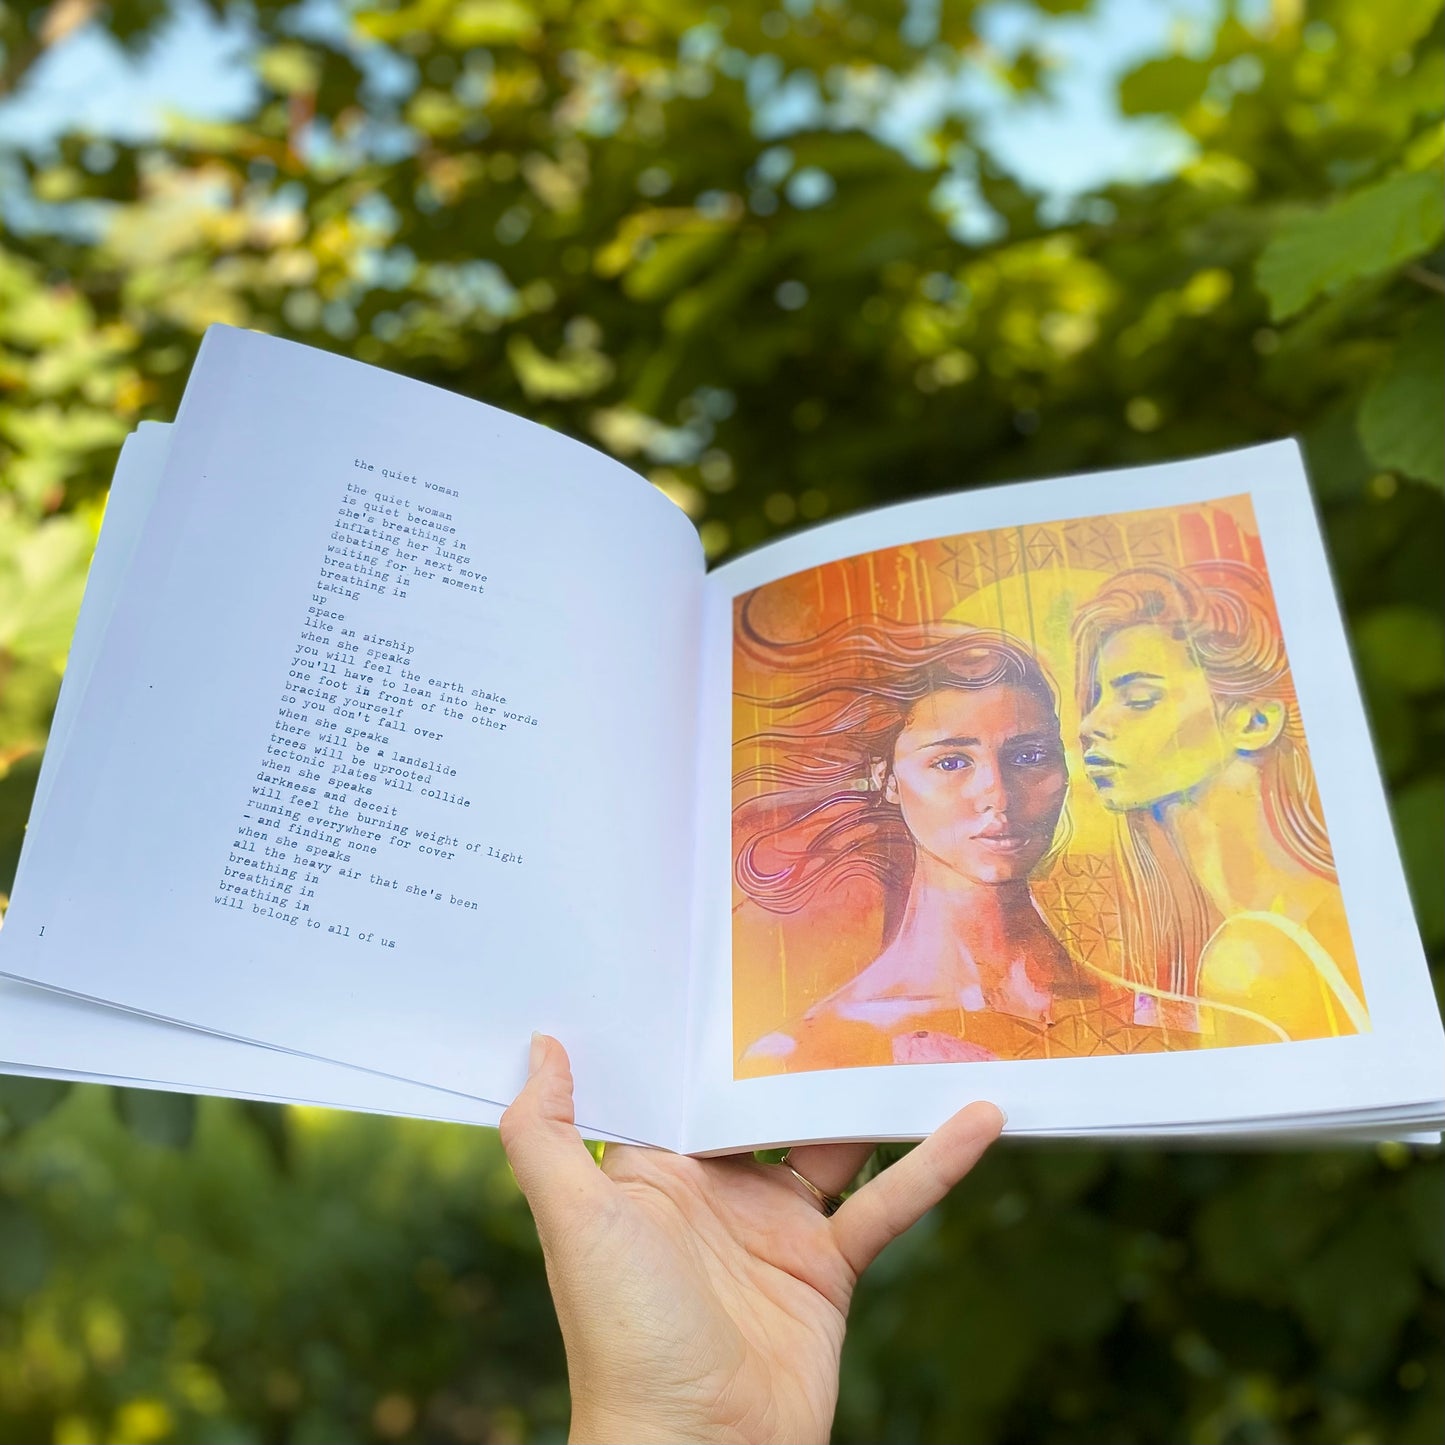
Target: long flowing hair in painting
[(825, 816), (1224, 614)]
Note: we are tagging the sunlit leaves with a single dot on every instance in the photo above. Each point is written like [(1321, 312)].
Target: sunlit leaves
[(467, 23), (576, 371), (1367, 232), (1382, 32), (437, 113), (216, 1287), (288, 69), (1169, 86), (577, 211), (42, 574)]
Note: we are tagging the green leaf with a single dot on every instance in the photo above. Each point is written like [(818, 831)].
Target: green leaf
[(491, 22), (1164, 87), (42, 579), (288, 69), (436, 113), (1424, 1203), (24, 1252), (1334, 456), (1357, 1292), (576, 371), (464, 24), (1240, 1249), (269, 1121), (1405, 645), (1392, 723), (675, 260), (17, 794), (1383, 30), (25, 1101), (157, 1116), (1366, 233), (1399, 420), (1420, 823)]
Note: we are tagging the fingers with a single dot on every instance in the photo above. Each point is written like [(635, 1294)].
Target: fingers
[(901, 1195), (830, 1166), (552, 1164)]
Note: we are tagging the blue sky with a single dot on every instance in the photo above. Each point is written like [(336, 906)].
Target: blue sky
[(1065, 144)]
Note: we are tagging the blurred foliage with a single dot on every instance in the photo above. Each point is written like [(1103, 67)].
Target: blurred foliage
[(672, 229)]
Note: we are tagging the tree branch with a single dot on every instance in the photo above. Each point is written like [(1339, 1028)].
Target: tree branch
[(1430, 280)]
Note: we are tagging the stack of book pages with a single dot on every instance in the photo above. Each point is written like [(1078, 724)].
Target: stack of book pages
[(396, 727)]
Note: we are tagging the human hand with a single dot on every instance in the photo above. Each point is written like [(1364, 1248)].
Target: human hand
[(706, 1299)]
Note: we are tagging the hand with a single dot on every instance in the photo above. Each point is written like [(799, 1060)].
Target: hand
[(705, 1299)]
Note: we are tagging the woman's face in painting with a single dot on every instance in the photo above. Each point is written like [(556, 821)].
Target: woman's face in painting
[(1155, 732), (980, 778)]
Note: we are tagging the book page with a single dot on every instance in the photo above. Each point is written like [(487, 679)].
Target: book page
[(132, 490), (1059, 795), (92, 1043), (49, 1034), (387, 757)]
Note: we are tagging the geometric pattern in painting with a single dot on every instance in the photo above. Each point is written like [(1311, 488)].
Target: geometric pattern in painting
[(1095, 543), (1043, 547), (1098, 1025), (1107, 1027), (1080, 898), (997, 556), (1152, 540), (957, 563)]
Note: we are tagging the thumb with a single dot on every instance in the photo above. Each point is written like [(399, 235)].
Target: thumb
[(553, 1166), (901, 1195)]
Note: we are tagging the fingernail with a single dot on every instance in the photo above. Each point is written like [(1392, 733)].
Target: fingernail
[(1003, 1114), (537, 1054)]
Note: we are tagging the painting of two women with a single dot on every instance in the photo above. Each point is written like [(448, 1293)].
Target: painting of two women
[(1035, 794)]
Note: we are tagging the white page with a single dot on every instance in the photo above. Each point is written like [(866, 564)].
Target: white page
[(132, 490), (1303, 1134), (54, 1035), (46, 1034), (578, 940), (49, 1034), (1397, 1062)]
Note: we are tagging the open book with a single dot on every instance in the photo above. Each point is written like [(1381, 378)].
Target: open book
[(397, 727)]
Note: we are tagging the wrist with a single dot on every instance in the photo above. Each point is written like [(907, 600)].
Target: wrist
[(598, 1425)]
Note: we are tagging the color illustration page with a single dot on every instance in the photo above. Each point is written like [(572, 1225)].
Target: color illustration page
[(1029, 786)]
